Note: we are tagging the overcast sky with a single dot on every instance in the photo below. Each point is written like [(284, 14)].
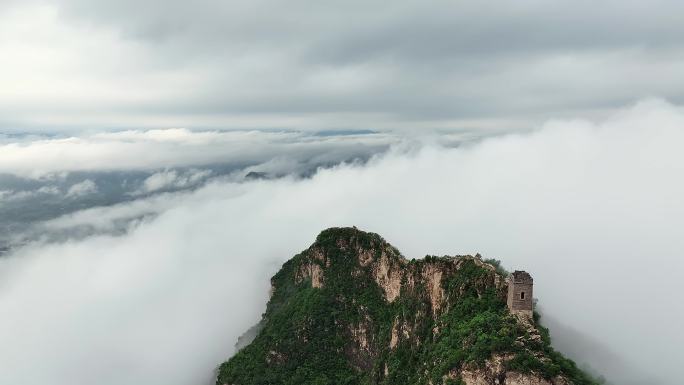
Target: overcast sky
[(74, 65)]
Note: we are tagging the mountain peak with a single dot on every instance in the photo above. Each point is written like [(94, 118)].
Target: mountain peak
[(350, 309)]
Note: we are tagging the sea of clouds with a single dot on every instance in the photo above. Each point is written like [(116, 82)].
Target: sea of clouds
[(592, 209), (44, 177)]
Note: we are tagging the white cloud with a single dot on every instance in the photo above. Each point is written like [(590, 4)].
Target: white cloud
[(12, 195), (106, 219), (155, 149), (592, 210), (160, 180), (85, 187), (172, 179), (5, 193)]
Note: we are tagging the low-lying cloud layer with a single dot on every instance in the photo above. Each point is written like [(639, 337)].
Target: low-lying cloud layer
[(48, 157), (592, 210), (43, 177)]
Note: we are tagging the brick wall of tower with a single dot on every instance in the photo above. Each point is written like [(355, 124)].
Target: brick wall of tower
[(518, 283)]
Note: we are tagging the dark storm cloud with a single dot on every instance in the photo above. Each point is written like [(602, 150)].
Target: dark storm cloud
[(354, 64)]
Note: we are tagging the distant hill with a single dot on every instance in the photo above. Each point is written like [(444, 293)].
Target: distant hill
[(351, 309)]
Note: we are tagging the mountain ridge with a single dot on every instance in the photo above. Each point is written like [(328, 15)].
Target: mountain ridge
[(350, 309)]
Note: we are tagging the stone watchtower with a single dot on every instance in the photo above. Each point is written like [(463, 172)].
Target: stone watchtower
[(520, 294)]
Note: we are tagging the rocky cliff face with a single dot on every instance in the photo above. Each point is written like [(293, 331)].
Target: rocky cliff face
[(352, 310)]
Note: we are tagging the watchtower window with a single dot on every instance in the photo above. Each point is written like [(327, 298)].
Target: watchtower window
[(522, 295)]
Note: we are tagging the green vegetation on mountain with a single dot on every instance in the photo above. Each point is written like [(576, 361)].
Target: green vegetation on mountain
[(351, 310)]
